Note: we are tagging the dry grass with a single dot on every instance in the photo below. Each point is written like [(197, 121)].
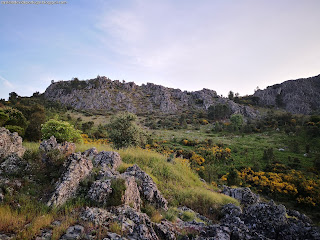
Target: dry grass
[(10, 220), (35, 226)]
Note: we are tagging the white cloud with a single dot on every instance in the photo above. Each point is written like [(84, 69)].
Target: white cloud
[(6, 83)]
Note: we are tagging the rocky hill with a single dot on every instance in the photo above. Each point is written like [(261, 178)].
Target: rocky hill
[(301, 96), (102, 93)]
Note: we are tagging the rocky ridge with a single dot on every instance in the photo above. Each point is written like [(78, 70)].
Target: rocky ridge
[(301, 96), (102, 93)]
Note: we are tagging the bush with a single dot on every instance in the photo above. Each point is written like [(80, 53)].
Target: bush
[(118, 188), (233, 177), (124, 132), (62, 131), (17, 129), (3, 118)]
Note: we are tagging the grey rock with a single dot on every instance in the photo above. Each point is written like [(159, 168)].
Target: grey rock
[(98, 216), (114, 236), (46, 234), (148, 189), (108, 160), (165, 230), (77, 168), (1, 195), (90, 153), (64, 149), (244, 195), (100, 191), (13, 164), (301, 96), (10, 143), (73, 233)]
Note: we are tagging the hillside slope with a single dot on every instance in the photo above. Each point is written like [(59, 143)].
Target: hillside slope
[(301, 96), (102, 93)]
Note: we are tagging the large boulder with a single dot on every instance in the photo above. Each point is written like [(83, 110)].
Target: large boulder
[(106, 159), (147, 187), (101, 190), (73, 233), (77, 168), (244, 195), (10, 143), (64, 149)]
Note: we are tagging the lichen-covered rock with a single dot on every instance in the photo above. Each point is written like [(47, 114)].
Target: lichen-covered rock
[(64, 149), (148, 189), (98, 216), (165, 230), (1, 195), (244, 195), (101, 190), (77, 168), (90, 153), (137, 225), (73, 233), (13, 164), (10, 143), (108, 160)]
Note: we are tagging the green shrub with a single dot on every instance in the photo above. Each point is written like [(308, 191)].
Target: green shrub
[(172, 214), (188, 216), (233, 177), (3, 118), (118, 188), (124, 132), (17, 129), (62, 131)]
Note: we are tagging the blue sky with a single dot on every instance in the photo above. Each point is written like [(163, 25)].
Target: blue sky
[(222, 45)]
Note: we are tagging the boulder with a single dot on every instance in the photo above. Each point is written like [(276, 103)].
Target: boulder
[(90, 153), (77, 168), (10, 143), (1, 195), (101, 190), (98, 216), (73, 233), (147, 187), (244, 195), (65, 149), (165, 230), (13, 164), (108, 160)]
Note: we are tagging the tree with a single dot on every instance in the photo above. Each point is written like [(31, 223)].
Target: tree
[(16, 118), (231, 95), (3, 118), (237, 121), (62, 131), (219, 112), (124, 132)]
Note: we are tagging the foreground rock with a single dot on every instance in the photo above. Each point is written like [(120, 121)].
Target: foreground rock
[(77, 169), (106, 159), (52, 146), (13, 164), (10, 143), (147, 187)]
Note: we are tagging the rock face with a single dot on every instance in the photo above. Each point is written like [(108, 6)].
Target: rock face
[(78, 168), (105, 94), (148, 189), (10, 143), (46, 146), (110, 160), (300, 96)]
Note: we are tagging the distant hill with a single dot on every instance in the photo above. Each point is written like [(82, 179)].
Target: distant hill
[(102, 93), (301, 96)]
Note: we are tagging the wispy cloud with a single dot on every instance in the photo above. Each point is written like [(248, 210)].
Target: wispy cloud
[(6, 82)]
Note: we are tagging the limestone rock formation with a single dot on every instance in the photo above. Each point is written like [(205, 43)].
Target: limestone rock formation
[(104, 94), (100, 191), (148, 189), (73, 233), (244, 195), (13, 164), (108, 160), (301, 96), (77, 168), (47, 146), (10, 143)]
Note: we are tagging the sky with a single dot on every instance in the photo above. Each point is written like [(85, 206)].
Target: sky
[(223, 45)]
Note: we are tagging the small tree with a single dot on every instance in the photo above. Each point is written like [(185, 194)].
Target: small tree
[(62, 131), (124, 132), (231, 95), (237, 121)]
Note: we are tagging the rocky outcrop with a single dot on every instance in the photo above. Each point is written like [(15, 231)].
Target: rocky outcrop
[(73, 233), (244, 195), (10, 143), (148, 189), (13, 164), (100, 191), (90, 153), (64, 149), (102, 93), (77, 168), (301, 96), (105, 159)]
